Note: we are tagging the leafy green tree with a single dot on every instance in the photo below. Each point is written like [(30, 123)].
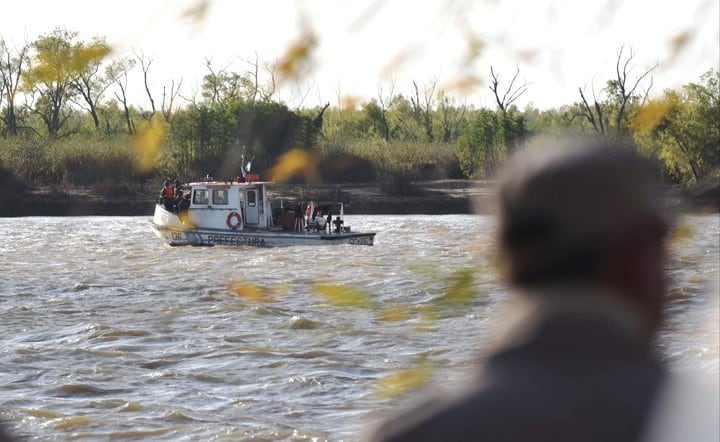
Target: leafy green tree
[(683, 129), (450, 117), (217, 138), (223, 86), (376, 117), (481, 145)]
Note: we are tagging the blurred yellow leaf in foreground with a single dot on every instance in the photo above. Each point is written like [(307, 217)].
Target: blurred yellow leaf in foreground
[(396, 313), (295, 162), (250, 291), (654, 112), (400, 383), (344, 296), (148, 143), (461, 288), (297, 58)]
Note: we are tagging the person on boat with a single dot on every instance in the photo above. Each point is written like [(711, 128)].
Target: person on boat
[(167, 195), (299, 218), (177, 187), (581, 245), (316, 222), (319, 220), (183, 205), (183, 201)]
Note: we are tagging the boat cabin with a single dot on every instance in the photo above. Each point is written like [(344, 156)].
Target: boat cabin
[(220, 205)]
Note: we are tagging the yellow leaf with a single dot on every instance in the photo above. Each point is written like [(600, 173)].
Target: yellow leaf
[(461, 288), (148, 142), (297, 56), (295, 162), (653, 113), (350, 102), (464, 85), (404, 381), (344, 296), (249, 291), (397, 313), (680, 234)]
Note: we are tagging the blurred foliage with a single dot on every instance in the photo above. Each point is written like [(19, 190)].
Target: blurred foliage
[(455, 293), (148, 143), (344, 296), (293, 163), (400, 382), (254, 293)]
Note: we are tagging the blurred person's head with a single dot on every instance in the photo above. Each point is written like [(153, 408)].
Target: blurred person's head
[(579, 210)]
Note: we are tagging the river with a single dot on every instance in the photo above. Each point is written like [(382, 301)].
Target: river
[(109, 334)]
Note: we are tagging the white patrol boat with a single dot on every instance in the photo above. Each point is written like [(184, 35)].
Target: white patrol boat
[(239, 213)]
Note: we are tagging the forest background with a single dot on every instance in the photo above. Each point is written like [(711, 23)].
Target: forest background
[(66, 123)]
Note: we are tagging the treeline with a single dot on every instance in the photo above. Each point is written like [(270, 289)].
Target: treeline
[(66, 120)]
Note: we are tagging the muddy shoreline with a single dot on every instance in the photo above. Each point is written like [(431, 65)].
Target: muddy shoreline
[(427, 197)]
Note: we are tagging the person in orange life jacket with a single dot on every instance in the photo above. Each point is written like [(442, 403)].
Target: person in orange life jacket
[(167, 195)]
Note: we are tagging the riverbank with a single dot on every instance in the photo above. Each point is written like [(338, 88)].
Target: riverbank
[(424, 197), (432, 197)]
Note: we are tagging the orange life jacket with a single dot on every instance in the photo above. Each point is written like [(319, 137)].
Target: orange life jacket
[(167, 192)]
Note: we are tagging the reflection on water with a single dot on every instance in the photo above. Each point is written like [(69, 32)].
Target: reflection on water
[(108, 333)]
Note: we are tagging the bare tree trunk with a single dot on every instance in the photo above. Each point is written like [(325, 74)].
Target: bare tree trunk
[(11, 70), (385, 103), (511, 94), (122, 98), (168, 100), (627, 90), (145, 66), (594, 117), (422, 109)]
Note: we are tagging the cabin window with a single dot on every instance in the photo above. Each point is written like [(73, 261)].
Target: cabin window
[(200, 196), (220, 196), (251, 198)]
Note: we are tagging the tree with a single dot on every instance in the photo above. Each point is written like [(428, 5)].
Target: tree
[(377, 110), (118, 71), (221, 86), (451, 117), (422, 107), (12, 66), (481, 146), (90, 82), (610, 116), (513, 92), (56, 64), (145, 66), (224, 85), (683, 129)]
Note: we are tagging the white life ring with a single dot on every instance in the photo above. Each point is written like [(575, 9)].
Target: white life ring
[(229, 221)]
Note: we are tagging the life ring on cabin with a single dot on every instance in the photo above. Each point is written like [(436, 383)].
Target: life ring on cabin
[(229, 220)]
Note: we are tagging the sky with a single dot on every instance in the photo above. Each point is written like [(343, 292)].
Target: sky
[(367, 49)]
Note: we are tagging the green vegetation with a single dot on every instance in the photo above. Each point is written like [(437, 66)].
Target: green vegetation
[(66, 121)]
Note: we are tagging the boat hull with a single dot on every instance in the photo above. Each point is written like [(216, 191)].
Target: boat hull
[(179, 236)]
